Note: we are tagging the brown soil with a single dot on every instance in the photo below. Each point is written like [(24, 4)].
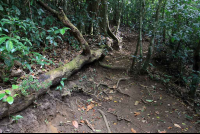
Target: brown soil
[(138, 103)]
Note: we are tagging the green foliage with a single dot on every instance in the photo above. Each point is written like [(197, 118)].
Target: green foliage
[(62, 84), (17, 118), (31, 85), (18, 39), (7, 96)]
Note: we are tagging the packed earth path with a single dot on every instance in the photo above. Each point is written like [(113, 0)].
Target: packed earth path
[(101, 100)]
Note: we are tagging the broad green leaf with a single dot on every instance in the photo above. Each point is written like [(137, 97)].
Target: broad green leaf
[(172, 39), (1, 8), (4, 100), (15, 95), (18, 117), (8, 92), (2, 40), (149, 100), (57, 31), (62, 31), (62, 83), (2, 95), (10, 100), (6, 30), (64, 79), (15, 86), (9, 45)]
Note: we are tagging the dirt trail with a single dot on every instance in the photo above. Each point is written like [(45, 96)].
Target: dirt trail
[(141, 104)]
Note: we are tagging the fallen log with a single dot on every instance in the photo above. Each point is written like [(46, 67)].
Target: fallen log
[(52, 77)]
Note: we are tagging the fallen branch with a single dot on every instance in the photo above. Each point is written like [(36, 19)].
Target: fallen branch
[(53, 77), (105, 119), (89, 125)]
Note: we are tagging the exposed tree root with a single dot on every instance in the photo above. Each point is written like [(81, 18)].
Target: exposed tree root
[(114, 88), (121, 79), (112, 67), (105, 119), (52, 77)]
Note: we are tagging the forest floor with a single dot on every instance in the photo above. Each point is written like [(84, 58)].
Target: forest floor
[(130, 105)]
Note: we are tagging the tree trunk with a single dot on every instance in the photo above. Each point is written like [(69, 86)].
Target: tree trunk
[(196, 74), (151, 46), (163, 17), (139, 37), (118, 17), (63, 18), (104, 24), (93, 7)]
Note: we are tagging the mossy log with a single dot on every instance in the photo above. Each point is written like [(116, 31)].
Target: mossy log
[(53, 77)]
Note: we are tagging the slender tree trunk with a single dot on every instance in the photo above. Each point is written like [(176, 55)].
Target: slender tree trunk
[(93, 7), (63, 18), (65, 6), (163, 17), (139, 43), (119, 13), (104, 24), (196, 74), (151, 46)]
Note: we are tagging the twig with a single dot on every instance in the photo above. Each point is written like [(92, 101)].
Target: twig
[(143, 101), (89, 125), (105, 119)]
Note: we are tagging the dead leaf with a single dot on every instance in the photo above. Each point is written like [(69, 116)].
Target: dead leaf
[(75, 124), (111, 92), (136, 103), (157, 112), (162, 131), (133, 130), (89, 107), (52, 128), (114, 87), (136, 113), (106, 98), (176, 125), (82, 121)]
